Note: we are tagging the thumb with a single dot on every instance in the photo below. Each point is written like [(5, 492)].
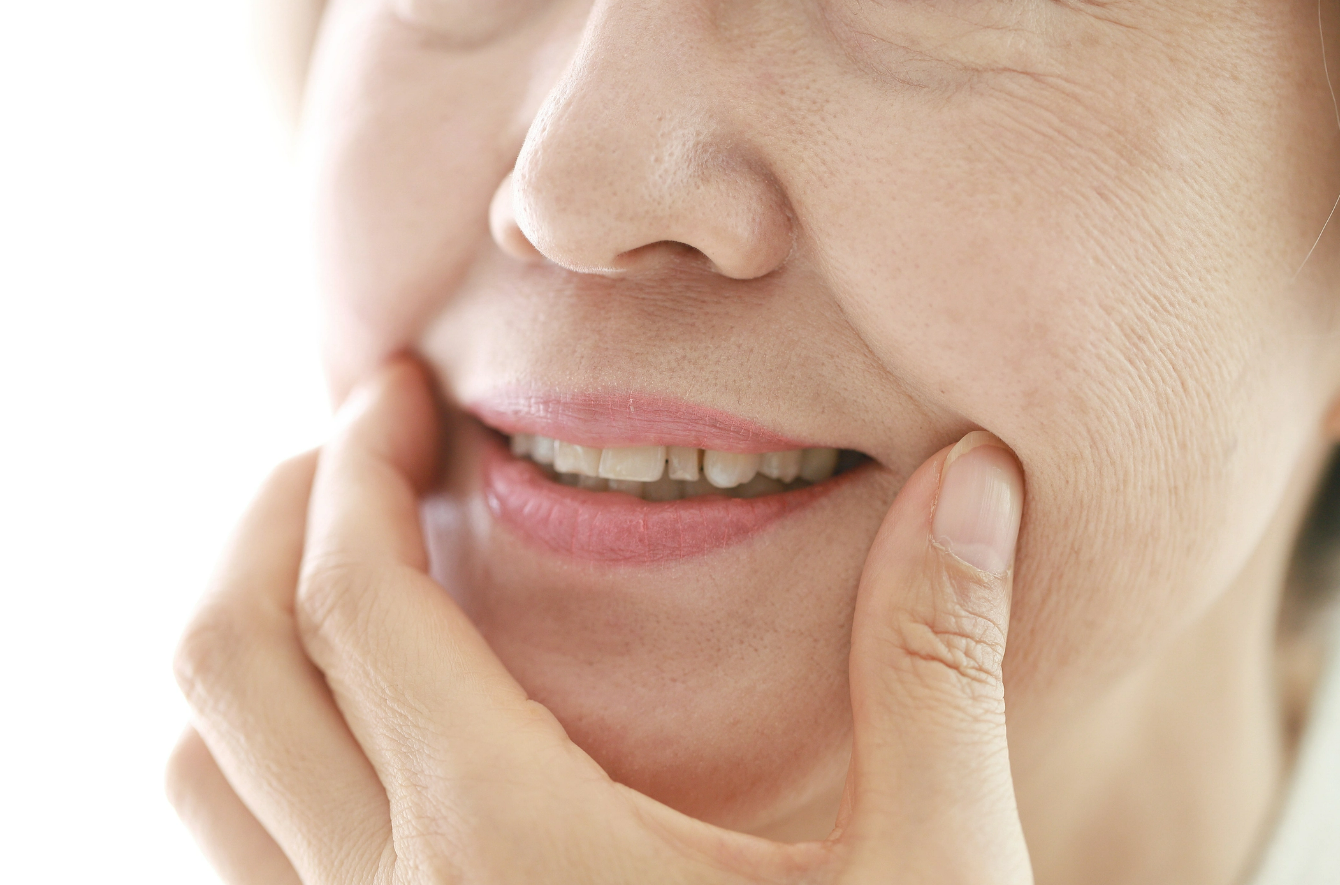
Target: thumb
[(929, 794)]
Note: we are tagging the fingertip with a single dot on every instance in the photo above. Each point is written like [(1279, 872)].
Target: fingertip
[(972, 440), (405, 371), (400, 379), (394, 414), (980, 503)]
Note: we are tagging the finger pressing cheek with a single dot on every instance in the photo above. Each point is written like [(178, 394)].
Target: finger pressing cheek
[(927, 645), (441, 720)]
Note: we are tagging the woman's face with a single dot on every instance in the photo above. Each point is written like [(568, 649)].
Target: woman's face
[(859, 224)]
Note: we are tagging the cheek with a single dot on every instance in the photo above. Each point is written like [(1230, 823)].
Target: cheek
[(404, 146), (1101, 311)]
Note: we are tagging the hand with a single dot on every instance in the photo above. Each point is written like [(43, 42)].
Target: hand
[(351, 726)]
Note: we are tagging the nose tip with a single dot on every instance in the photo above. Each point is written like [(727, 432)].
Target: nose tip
[(587, 220), (607, 185)]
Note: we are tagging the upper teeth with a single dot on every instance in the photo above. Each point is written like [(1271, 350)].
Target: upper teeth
[(647, 464)]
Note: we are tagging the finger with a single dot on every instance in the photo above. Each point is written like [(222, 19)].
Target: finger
[(373, 620), (264, 710), (930, 793), (228, 834), (426, 697)]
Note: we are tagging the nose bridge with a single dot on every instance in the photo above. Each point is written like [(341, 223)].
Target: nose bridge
[(635, 147)]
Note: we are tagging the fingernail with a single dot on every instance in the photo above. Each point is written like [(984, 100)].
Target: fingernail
[(981, 499)]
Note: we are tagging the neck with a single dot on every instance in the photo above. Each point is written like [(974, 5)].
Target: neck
[(1174, 774)]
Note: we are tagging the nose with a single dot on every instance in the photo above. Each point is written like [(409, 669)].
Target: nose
[(636, 157)]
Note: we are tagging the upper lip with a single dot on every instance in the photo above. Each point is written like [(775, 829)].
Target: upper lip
[(612, 419)]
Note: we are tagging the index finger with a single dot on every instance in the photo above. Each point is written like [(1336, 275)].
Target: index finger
[(412, 675)]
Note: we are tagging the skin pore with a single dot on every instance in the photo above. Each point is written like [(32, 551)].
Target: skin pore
[(874, 226)]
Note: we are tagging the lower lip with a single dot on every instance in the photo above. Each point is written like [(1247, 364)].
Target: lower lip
[(609, 527)]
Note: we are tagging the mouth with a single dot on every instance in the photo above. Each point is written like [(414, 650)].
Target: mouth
[(644, 497)]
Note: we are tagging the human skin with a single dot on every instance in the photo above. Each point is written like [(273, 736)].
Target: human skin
[(354, 727), (875, 227)]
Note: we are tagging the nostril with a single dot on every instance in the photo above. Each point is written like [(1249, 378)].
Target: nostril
[(504, 228), (744, 264), (664, 253)]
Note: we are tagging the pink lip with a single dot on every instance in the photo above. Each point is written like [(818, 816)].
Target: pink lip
[(620, 529), (624, 419)]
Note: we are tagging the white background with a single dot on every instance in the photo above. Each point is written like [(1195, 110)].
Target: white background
[(157, 354)]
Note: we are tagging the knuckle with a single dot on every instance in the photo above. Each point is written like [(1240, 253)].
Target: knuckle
[(429, 853), (961, 648), (955, 641), (337, 604), (295, 471), (208, 650), (325, 592)]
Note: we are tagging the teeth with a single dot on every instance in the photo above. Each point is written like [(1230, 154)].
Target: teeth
[(726, 470), (759, 485), (593, 483), (817, 465), (542, 450), (572, 458), (664, 489), (683, 462), (639, 463), (784, 466), (700, 487), (661, 473), (628, 487)]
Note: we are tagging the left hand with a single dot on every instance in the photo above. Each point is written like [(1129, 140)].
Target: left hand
[(352, 726)]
